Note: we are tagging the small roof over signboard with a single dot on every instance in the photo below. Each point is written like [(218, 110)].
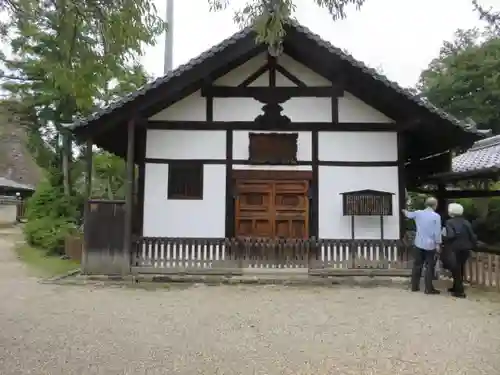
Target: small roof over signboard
[(366, 192)]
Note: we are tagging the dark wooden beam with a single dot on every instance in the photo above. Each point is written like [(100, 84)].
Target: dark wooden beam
[(230, 203), (273, 175), (271, 62), (279, 92), (458, 194), (401, 183), (252, 125), (252, 77), (88, 194), (141, 178), (314, 186), (298, 162), (129, 196), (290, 76), (373, 163)]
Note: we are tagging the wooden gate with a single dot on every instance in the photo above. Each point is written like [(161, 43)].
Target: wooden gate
[(272, 209)]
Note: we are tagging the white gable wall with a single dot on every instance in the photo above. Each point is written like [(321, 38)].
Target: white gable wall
[(352, 109), (357, 146), (186, 144), (206, 218)]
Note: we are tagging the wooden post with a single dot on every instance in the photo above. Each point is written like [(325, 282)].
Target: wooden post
[(129, 197), (442, 202), (86, 207)]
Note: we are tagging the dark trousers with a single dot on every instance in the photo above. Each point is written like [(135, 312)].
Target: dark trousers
[(456, 264), (427, 257)]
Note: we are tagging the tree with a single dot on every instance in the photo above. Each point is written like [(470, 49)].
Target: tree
[(464, 79), (489, 15), (67, 60), (270, 16)]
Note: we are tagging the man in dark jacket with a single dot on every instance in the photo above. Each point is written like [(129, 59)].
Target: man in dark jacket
[(459, 240)]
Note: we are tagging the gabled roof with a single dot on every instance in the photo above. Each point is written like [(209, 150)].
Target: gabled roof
[(481, 161), (483, 154), (247, 33), (12, 185)]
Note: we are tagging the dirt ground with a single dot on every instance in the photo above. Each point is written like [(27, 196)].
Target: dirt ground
[(64, 330)]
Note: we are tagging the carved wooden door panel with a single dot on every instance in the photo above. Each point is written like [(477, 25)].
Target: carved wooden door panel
[(291, 207), (272, 209), (254, 209)]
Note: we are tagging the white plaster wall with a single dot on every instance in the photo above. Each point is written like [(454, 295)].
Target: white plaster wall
[(306, 75), (352, 109), (357, 146), (241, 142), (336, 180), (191, 108), (186, 144), (184, 218), (238, 75), (297, 109)]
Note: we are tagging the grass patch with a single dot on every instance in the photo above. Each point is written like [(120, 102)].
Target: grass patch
[(43, 265)]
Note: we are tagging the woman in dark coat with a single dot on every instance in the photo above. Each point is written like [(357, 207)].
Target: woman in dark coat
[(459, 240)]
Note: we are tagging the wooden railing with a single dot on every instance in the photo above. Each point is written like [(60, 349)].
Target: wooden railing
[(172, 255), (483, 267)]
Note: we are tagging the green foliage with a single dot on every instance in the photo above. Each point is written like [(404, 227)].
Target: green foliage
[(51, 216), (270, 16), (465, 79), (109, 176), (488, 229)]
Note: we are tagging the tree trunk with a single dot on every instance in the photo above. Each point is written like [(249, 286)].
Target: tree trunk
[(66, 161)]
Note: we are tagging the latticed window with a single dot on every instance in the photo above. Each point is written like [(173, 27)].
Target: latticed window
[(185, 180), (273, 148)]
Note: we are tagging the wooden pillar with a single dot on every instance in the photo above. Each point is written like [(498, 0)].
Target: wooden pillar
[(401, 184), (129, 197), (442, 202), (87, 196)]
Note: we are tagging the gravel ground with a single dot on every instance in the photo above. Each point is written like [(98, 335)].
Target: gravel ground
[(50, 329)]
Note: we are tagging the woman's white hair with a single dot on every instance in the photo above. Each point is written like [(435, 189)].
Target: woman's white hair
[(455, 209)]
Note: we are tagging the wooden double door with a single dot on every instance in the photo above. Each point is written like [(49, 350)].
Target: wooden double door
[(272, 208)]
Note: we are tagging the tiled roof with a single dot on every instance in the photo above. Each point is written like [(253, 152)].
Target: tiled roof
[(484, 154), (245, 33), (5, 182)]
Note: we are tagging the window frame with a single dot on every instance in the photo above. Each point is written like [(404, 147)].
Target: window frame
[(173, 169)]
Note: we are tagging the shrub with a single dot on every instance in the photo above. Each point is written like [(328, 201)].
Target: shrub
[(51, 217), (48, 234)]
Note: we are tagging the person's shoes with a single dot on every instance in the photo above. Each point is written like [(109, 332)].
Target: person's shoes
[(459, 295), (415, 289), (433, 291), (451, 290)]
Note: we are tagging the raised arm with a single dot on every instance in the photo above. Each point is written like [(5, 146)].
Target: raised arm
[(410, 214)]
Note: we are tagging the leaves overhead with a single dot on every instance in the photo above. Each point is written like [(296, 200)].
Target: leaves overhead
[(270, 16), (465, 79)]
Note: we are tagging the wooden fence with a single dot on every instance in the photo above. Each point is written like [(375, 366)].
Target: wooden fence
[(326, 256), (483, 268)]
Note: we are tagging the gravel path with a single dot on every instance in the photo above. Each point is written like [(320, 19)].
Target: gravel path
[(64, 330)]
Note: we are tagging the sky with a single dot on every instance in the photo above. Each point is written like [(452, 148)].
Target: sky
[(399, 37)]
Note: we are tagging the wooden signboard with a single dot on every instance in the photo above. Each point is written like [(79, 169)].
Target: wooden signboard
[(367, 203)]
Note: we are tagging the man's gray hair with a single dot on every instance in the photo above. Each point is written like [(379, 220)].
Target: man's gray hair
[(455, 209), (431, 202)]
